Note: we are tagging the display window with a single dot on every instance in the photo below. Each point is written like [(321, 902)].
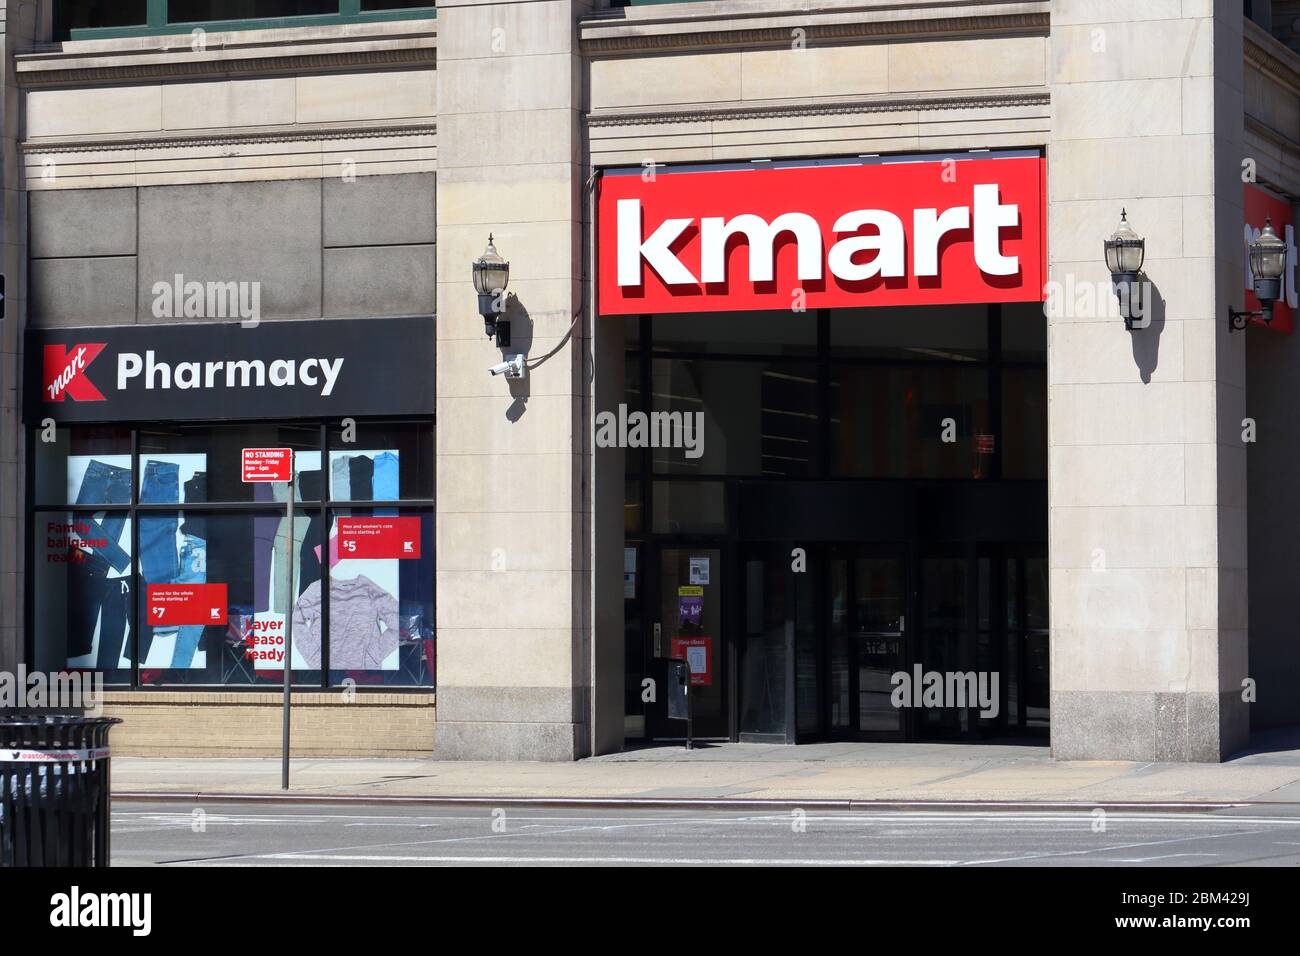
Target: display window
[(386, 461), (158, 566), (380, 626), (84, 592), (213, 597)]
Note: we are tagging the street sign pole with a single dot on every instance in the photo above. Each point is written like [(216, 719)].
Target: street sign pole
[(288, 639), (271, 465)]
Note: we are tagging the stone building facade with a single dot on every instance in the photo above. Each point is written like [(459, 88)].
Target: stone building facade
[(352, 164)]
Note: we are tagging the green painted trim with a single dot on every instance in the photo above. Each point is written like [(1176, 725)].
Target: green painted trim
[(153, 29)]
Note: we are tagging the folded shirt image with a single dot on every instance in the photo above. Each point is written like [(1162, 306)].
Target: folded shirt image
[(364, 627)]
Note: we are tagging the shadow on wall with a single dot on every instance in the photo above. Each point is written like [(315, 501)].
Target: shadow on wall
[(1146, 341), (521, 343)]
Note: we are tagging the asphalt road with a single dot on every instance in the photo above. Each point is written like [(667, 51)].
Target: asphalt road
[(225, 834)]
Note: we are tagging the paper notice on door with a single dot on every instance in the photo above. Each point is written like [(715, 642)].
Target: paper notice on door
[(699, 571), (698, 654), (690, 605)]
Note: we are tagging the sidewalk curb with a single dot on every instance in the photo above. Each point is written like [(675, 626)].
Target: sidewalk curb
[(676, 803)]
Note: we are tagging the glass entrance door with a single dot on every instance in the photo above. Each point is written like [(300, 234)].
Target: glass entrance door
[(865, 642), (945, 638), (982, 615), (778, 655), (1028, 693), (766, 650), (690, 627)]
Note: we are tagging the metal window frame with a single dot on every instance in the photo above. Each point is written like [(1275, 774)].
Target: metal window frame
[(157, 23)]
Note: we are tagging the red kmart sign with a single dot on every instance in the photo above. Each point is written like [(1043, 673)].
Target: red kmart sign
[(841, 234)]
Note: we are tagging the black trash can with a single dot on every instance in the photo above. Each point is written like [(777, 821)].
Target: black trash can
[(54, 795)]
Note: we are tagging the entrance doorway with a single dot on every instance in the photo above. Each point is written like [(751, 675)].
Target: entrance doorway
[(824, 630), (864, 620), (792, 643), (868, 479), (691, 626)]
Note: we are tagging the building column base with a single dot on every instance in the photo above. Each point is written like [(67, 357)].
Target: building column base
[(1192, 727), (499, 740)]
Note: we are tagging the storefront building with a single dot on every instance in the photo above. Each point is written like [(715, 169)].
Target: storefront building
[(825, 385), (115, 482), (848, 494)]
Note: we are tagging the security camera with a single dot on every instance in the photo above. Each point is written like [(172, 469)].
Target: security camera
[(512, 368)]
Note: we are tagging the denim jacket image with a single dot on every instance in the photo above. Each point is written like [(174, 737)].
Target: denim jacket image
[(105, 484)]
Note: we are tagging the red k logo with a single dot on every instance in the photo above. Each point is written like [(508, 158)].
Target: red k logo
[(65, 372)]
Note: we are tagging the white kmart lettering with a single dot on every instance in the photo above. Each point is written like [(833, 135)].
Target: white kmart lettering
[(987, 216), (238, 373)]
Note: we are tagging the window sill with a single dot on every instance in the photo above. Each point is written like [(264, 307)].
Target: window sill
[(332, 22), (298, 49), (704, 24), (264, 697)]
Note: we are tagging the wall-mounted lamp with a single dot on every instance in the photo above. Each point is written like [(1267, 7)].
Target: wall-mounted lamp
[(1125, 252), (1267, 263), (491, 274)]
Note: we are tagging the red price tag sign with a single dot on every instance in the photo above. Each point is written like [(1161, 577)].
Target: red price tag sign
[(379, 537), (181, 604), (698, 653), (267, 464)]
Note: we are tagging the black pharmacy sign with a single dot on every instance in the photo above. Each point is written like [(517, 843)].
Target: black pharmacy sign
[(301, 369)]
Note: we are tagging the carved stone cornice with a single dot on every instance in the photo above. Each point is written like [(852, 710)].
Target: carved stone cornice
[(246, 53), (232, 137), (777, 109), (1271, 56), (1278, 157), (768, 24)]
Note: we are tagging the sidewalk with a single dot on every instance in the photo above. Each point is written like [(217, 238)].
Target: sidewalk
[(1269, 772)]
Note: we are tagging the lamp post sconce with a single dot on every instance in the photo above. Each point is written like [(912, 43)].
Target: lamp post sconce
[(1125, 252), (1267, 263), (491, 275)]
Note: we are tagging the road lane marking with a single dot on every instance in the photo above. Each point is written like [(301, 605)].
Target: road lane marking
[(674, 861)]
